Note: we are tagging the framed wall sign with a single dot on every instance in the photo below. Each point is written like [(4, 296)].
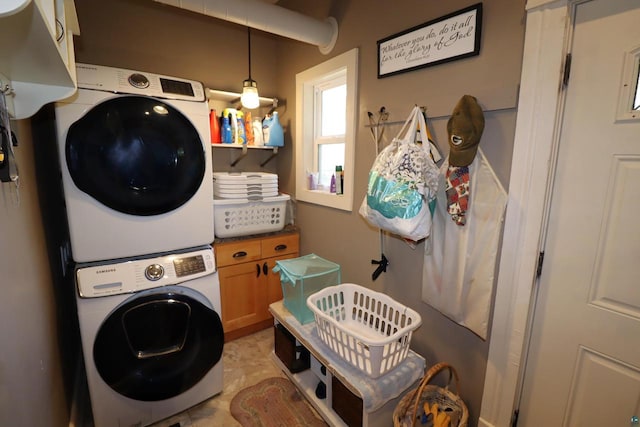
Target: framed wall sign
[(451, 37)]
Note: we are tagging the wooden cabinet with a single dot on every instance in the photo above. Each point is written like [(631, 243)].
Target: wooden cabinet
[(247, 283)]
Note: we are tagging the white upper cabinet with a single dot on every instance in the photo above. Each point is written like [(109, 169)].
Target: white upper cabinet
[(37, 63), (9, 7)]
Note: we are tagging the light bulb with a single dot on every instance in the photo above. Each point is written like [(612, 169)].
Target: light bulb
[(249, 98)]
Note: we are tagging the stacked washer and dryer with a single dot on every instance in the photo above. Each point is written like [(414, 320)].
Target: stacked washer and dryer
[(135, 158)]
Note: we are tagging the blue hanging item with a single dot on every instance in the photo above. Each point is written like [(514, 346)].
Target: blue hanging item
[(242, 136), (226, 130), (274, 134)]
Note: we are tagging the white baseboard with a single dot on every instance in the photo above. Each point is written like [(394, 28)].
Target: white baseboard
[(484, 423)]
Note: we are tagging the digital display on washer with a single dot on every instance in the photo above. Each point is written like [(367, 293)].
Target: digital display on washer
[(189, 265), (174, 86)]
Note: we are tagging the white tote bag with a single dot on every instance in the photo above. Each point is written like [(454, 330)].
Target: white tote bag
[(402, 182), (460, 261)]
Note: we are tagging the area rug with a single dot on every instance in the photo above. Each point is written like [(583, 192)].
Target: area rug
[(274, 402)]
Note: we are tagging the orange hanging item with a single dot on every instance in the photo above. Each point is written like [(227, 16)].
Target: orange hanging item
[(248, 126), (214, 124)]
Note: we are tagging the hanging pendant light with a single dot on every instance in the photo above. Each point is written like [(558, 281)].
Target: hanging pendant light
[(249, 98)]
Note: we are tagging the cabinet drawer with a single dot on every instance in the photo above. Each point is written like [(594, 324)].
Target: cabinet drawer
[(280, 245), (238, 252)]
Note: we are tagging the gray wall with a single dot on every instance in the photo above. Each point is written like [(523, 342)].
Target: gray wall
[(143, 35), (32, 389), (147, 36), (344, 237)]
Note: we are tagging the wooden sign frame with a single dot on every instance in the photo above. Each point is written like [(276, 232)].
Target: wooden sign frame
[(448, 38)]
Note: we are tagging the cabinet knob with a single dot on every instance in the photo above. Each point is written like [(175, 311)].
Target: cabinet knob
[(265, 268), (257, 270), (281, 247), (240, 254)]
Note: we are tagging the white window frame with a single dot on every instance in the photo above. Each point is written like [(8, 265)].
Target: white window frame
[(325, 83), (306, 84)]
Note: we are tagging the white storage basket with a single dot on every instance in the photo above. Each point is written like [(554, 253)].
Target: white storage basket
[(241, 217), (368, 329)]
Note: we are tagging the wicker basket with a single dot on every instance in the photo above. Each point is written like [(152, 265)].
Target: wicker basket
[(411, 406)]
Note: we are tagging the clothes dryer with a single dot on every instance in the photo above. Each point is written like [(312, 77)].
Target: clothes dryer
[(135, 157), (151, 333)]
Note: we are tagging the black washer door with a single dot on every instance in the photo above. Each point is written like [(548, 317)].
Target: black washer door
[(137, 155), (158, 346)]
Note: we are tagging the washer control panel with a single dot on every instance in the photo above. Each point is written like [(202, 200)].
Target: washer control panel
[(190, 265), (120, 80), (144, 273)]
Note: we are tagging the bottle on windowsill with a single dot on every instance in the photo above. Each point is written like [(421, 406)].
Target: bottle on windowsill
[(339, 180)]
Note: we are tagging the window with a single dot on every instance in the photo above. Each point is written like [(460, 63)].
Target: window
[(636, 102), (629, 96), (325, 130)]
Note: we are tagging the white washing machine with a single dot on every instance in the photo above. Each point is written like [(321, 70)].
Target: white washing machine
[(135, 158), (152, 336)]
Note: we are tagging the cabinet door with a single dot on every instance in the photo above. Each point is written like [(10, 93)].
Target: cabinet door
[(273, 286), (243, 293)]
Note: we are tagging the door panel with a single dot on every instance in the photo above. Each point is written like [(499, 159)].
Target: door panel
[(597, 375), (620, 246), (242, 295), (583, 363), (136, 155), (274, 287), (157, 346)]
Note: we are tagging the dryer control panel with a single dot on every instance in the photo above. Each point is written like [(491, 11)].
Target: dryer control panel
[(120, 80), (138, 274)]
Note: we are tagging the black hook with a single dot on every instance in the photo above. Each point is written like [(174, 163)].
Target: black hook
[(382, 267)]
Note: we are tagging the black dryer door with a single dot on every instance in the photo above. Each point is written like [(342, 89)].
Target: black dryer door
[(157, 346), (137, 155)]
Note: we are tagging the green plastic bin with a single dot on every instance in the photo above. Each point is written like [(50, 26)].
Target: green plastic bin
[(303, 276)]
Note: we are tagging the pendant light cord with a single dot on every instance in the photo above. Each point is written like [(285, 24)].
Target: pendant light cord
[(249, 48)]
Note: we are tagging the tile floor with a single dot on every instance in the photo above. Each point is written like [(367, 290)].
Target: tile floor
[(246, 361)]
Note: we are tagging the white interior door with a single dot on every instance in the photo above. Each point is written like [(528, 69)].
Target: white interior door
[(583, 364)]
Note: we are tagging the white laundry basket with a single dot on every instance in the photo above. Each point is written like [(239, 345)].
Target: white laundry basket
[(242, 217), (368, 329)]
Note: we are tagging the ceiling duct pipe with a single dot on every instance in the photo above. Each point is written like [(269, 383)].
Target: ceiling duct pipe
[(267, 17)]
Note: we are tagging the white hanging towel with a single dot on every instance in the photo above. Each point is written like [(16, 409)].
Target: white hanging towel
[(459, 262)]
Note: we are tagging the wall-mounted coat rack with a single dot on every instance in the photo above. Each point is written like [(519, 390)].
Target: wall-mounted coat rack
[(438, 117), (376, 133)]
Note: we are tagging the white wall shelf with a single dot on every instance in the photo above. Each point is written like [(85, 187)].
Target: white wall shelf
[(245, 150), (220, 99), (233, 98)]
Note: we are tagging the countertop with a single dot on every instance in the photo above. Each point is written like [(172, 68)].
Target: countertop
[(286, 230)]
